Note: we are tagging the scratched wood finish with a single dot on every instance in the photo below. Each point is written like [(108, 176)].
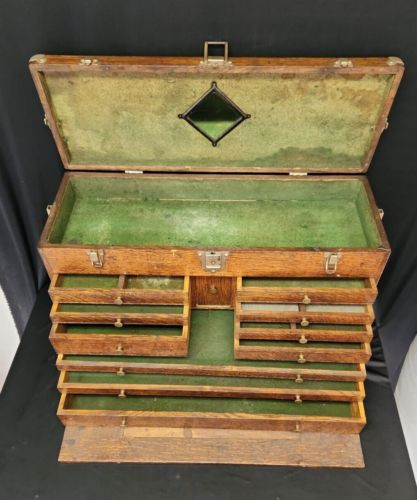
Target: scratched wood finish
[(210, 446), (213, 292), (303, 371), (299, 423), (40, 65), (314, 295)]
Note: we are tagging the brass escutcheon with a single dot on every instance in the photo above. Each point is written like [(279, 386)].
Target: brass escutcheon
[(213, 289)]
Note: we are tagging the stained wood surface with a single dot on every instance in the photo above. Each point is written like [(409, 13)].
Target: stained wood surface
[(214, 446), (212, 291)]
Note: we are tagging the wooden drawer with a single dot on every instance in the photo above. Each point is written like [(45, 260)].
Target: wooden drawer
[(145, 384), (120, 315), (315, 332), (304, 314), (221, 413), (141, 340), (291, 370), (307, 291), (118, 289)]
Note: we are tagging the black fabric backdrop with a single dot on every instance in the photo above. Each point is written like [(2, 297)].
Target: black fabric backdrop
[(31, 169)]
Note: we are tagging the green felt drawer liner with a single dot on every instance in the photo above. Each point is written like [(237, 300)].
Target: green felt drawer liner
[(109, 281), (109, 210), (215, 405), (295, 344), (108, 308), (154, 379), (211, 343), (303, 283), (126, 330), (316, 326)]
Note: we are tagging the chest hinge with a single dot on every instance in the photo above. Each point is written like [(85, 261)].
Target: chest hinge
[(330, 262), (213, 261), (96, 257)]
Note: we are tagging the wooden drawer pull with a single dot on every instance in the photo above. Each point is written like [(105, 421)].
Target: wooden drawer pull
[(301, 359), (305, 322), (120, 372), (119, 348), (299, 379), (118, 323), (302, 340), (118, 301), (121, 394), (298, 400), (306, 299)]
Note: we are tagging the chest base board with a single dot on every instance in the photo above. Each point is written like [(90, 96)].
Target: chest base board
[(210, 446)]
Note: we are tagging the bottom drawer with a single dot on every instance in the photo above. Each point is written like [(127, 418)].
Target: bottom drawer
[(222, 413)]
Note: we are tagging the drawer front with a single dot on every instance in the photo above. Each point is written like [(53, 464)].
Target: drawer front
[(153, 341), (307, 291), (124, 385), (97, 409), (119, 289)]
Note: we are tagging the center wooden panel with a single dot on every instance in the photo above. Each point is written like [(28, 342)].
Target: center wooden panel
[(212, 292)]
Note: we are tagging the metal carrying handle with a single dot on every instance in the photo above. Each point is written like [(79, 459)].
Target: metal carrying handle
[(216, 59)]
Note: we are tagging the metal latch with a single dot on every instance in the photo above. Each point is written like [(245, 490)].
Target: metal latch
[(330, 262), (211, 59), (343, 63), (96, 257), (213, 261)]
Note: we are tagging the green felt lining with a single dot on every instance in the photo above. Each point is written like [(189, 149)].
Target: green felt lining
[(216, 405), (109, 281), (303, 283), (211, 343), (109, 308), (126, 330), (322, 120), (296, 345), (113, 210), (153, 379)]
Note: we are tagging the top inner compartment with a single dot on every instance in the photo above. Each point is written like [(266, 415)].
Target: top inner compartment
[(263, 115)]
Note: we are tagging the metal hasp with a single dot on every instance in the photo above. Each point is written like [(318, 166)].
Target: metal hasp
[(211, 59), (330, 262), (213, 261), (96, 257)]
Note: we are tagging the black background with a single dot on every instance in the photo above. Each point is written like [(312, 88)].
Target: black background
[(30, 171)]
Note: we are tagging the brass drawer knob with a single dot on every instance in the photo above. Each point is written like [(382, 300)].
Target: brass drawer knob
[(119, 348), (306, 299), (301, 359), (298, 400), (118, 301), (305, 322), (297, 427), (124, 422), (118, 323), (299, 379), (302, 340), (213, 289), (121, 394), (120, 372)]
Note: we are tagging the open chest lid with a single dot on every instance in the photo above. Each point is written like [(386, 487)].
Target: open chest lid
[(215, 114)]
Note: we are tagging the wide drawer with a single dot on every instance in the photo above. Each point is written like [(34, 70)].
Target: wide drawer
[(304, 314), (139, 340), (120, 315), (118, 289), (145, 384), (290, 370), (307, 291), (226, 413)]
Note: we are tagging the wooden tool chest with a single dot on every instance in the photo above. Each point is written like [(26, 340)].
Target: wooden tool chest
[(214, 254)]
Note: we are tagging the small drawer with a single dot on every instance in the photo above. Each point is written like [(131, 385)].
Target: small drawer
[(307, 291), (145, 384), (315, 332), (303, 315), (221, 413), (138, 340), (119, 316), (119, 289)]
